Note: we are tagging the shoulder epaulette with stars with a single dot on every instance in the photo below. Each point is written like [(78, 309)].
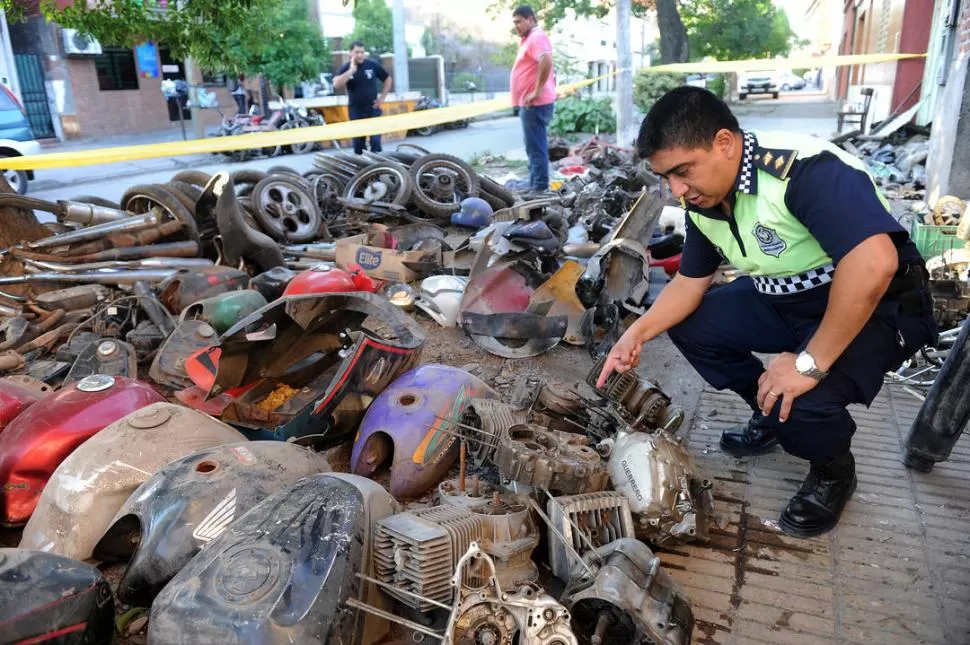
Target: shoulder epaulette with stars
[(775, 162)]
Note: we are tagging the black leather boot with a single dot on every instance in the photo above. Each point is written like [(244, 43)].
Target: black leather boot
[(816, 508), (755, 438)]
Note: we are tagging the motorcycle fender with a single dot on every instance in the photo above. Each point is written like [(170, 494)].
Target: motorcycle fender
[(92, 484)]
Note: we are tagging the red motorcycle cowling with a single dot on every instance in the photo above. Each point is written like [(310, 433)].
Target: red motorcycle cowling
[(40, 438)]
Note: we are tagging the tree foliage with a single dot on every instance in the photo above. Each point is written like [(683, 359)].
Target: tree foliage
[(737, 29), (374, 26)]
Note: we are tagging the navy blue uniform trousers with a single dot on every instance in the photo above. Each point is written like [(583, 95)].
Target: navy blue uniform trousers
[(736, 320), (363, 112)]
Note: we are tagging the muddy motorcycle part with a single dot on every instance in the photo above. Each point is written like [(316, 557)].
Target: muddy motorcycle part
[(414, 423), (90, 486), (239, 241), (17, 393), (286, 209), (153, 307), (642, 404), (168, 366), (191, 501), (191, 285), (586, 521), (657, 475), (486, 612), (497, 191), (945, 412), (482, 422), (510, 536), (441, 182), (272, 283), (317, 353), (541, 458), (629, 598), (621, 271), (283, 571), (41, 437), (560, 291), (149, 197), (46, 598), (223, 311), (381, 182), (109, 357)]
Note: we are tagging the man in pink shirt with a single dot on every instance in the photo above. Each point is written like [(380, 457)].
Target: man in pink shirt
[(534, 92)]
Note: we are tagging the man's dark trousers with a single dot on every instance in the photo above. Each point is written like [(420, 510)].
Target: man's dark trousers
[(535, 119), (357, 112), (735, 320)]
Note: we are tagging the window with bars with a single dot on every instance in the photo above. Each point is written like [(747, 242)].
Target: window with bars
[(116, 69)]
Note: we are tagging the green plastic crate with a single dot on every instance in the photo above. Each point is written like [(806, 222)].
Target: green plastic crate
[(934, 240)]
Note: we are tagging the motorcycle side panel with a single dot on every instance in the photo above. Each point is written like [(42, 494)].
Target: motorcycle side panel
[(92, 484), (17, 393), (281, 573), (168, 367), (50, 599), (44, 435), (189, 502), (417, 419)]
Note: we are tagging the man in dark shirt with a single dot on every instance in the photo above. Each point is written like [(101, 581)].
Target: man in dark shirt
[(360, 75), (835, 288)]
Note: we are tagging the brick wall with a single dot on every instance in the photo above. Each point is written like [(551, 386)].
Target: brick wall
[(101, 113), (963, 31)]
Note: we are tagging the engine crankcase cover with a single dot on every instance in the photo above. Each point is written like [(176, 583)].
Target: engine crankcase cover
[(92, 484), (630, 599), (309, 364), (47, 598), (658, 477), (17, 393), (281, 573), (559, 462), (416, 421), (40, 438), (190, 502)]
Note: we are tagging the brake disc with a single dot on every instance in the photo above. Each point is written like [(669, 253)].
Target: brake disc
[(286, 208)]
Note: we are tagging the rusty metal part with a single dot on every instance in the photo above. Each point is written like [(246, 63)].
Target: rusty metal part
[(585, 522), (483, 422), (112, 277), (489, 613), (476, 492), (239, 240), (191, 285), (110, 357), (660, 480), (168, 367), (541, 458), (509, 536), (151, 305), (630, 599), (418, 551), (363, 210), (166, 249), (90, 214), (147, 263), (73, 298), (134, 223), (640, 403), (166, 200), (143, 237)]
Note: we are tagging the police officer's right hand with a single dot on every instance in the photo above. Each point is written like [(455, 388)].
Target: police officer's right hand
[(624, 356), (353, 67)]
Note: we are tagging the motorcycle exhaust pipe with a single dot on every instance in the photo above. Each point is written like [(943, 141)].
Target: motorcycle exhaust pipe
[(88, 214), (147, 263), (98, 230), (106, 277)]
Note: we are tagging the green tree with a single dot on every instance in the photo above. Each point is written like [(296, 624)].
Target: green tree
[(736, 29), (374, 26), (202, 29)]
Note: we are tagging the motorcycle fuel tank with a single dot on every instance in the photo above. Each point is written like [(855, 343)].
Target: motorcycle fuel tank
[(44, 435), (190, 502), (416, 419), (283, 572), (92, 484), (17, 393), (46, 598)]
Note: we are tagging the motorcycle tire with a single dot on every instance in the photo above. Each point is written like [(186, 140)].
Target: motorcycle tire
[(246, 179), (497, 190), (187, 194), (279, 170), (96, 201), (171, 203), (298, 148), (193, 177), (424, 132), (437, 210)]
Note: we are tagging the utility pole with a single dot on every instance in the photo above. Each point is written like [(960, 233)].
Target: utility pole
[(402, 82), (198, 128), (624, 86)]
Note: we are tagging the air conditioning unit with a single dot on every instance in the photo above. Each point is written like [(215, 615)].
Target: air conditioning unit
[(77, 43)]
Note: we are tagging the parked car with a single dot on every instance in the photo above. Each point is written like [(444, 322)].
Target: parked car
[(764, 82), (791, 82), (16, 139)]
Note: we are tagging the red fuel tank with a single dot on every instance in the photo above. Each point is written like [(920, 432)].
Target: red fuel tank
[(17, 393), (40, 438)]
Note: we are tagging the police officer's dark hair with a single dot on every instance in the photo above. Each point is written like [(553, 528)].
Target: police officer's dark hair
[(358, 43), (685, 117), (524, 11)]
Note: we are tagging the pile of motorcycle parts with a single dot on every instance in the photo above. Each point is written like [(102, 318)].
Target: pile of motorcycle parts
[(584, 523), (535, 456), (641, 404)]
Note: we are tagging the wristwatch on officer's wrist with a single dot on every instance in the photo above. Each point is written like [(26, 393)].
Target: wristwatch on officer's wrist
[(805, 365)]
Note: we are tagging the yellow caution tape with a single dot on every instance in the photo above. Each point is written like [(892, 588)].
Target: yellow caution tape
[(395, 122)]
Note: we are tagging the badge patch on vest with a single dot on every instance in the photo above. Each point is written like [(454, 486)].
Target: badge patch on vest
[(769, 241)]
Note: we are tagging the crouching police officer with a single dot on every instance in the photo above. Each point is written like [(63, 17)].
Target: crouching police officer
[(836, 289)]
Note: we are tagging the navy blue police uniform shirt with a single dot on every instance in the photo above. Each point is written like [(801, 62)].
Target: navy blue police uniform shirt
[(362, 88), (837, 203)]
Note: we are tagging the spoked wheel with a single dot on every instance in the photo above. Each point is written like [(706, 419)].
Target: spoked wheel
[(146, 198), (286, 208), (441, 182), (381, 182)]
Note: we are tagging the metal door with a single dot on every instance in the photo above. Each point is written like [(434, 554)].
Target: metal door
[(30, 70)]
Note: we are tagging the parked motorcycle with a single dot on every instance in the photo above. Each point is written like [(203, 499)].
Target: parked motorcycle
[(285, 118), (429, 103)]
